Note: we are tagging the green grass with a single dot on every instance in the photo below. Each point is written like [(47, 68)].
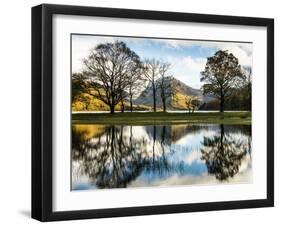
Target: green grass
[(137, 118)]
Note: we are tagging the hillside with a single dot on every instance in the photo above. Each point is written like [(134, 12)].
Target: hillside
[(175, 101), (86, 102)]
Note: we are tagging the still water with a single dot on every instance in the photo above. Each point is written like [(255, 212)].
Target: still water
[(123, 156)]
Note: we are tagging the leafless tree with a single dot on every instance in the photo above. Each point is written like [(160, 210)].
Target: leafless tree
[(165, 83), (122, 101), (108, 68), (151, 74), (136, 82)]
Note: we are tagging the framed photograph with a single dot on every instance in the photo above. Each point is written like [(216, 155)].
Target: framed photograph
[(146, 112)]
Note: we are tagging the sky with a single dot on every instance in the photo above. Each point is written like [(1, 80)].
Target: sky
[(187, 57)]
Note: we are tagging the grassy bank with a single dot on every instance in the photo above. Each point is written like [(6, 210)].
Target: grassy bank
[(137, 118)]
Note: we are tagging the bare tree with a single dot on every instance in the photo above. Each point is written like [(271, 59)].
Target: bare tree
[(135, 84), (122, 100), (151, 73), (165, 83), (108, 68)]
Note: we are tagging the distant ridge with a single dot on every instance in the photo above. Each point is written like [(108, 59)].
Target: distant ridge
[(179, 89)]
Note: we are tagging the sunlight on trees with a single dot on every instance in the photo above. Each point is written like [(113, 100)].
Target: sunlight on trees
[(192, 103), (222, 73), (114, 76), (108, 69)]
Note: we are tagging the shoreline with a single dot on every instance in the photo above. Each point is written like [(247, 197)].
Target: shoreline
[(158, 118)]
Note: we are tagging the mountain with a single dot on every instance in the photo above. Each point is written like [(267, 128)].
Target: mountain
[(82, 101), (179, 90)]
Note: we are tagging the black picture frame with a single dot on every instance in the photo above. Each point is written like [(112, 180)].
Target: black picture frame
[(42, 108)]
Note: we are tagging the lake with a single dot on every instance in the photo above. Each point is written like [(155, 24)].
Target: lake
[(124, 156)]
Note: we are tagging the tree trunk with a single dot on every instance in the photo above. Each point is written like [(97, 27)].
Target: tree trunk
[(153, 147), (112, 106), (154, 97), (112, 149), (164, 105), (131, 103), (222, 135), (111, 109), (222, 104), (250, 97), (163, 136), (131, 138), (122, 106)]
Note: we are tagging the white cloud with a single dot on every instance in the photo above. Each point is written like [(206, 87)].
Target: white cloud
[(241, 52), (187, 69), (195, 64), (81, 46), (203, 179), (193, 157)]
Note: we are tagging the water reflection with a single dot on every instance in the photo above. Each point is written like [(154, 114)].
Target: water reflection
[(223, 154), (159, 155)]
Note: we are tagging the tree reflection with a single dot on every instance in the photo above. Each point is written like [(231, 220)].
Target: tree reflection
[(112, 160), (223, 154), (158, 164), (115, 156)]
